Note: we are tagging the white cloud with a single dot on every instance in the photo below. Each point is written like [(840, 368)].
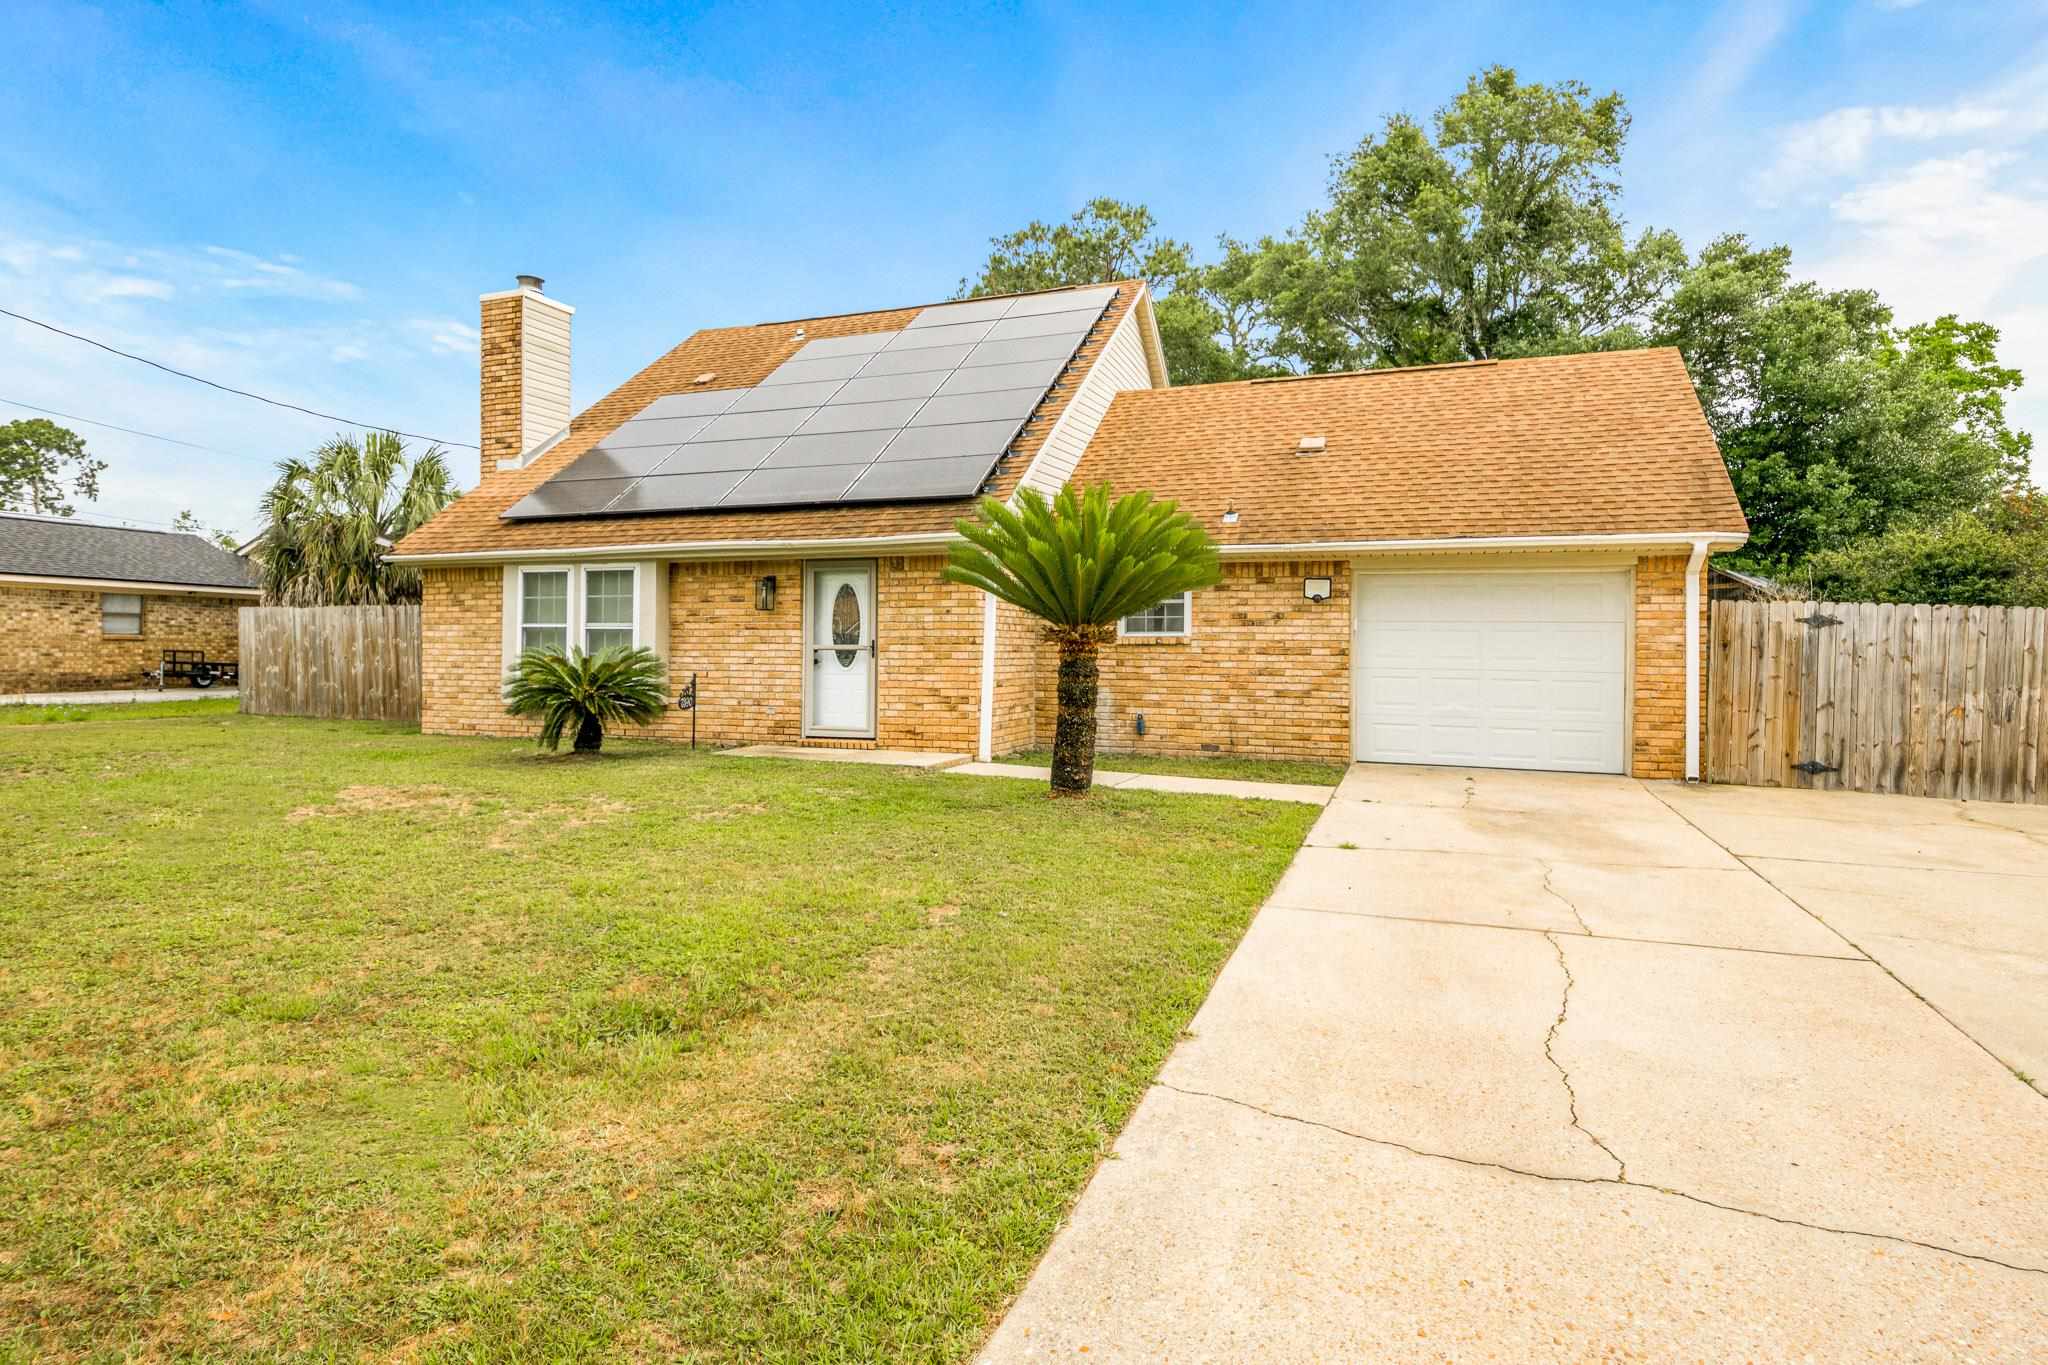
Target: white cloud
[(241, 270), (104, 287), (445, 336), (1895, 5), (1748, 30), (1840, 142)]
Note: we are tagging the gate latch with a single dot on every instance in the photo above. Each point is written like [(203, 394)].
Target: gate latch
[(1817, 619), (1813, 767)]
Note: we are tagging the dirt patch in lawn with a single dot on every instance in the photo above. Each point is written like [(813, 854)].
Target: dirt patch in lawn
[(380, 800), (515, 829)]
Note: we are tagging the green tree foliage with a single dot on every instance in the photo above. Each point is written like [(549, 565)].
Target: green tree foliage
[(1080, 564), (332, 519), (592, 692), (1835, 423), (43, 466), (1997, 557), (1493, 231), (188, 521)]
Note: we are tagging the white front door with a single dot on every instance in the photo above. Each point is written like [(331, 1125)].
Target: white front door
[(839, 631), (1493, 669)]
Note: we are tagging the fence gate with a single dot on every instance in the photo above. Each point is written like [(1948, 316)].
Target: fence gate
[(1864, 696), (340, 663)]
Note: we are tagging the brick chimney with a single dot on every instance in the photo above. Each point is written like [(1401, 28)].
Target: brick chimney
[(525, 363)]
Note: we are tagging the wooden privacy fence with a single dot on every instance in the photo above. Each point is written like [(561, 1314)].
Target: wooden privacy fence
[(341, 663), (1865, 696)]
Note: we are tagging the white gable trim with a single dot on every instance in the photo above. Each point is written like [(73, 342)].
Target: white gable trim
[(1121, 365)]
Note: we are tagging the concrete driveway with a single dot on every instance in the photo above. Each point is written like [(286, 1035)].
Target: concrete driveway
[(1526, 1066)]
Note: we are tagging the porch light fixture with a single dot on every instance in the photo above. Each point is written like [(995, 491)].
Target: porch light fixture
[(1316, 589), (1230, 516), (764, 593)]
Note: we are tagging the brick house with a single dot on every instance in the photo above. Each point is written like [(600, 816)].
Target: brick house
[(85, 607), (1488, 564)]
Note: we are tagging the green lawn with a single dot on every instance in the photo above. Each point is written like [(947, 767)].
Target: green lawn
[(325, 1040), (1219, 765), (118, 710)]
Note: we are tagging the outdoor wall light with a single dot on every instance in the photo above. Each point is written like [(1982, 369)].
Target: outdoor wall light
[(764, 593), (1316, 589)]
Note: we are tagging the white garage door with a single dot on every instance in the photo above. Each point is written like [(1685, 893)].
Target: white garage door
[(1493, 670)]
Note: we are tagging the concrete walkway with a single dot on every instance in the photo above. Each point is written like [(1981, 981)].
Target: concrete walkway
[(1537, 1067), (117, 696), (1166, 782), (957, 763)]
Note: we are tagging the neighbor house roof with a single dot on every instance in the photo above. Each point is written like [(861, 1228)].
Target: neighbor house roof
[(735, 357), (1611, 443), (50, 547)]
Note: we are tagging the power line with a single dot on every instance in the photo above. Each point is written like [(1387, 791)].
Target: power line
[(110, 426), (101, 519), (227, 388)]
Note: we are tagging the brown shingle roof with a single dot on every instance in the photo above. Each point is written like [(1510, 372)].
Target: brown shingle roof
[(1610, 443), (738, 356)]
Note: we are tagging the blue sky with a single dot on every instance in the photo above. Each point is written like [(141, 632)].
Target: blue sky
[(307, 200)]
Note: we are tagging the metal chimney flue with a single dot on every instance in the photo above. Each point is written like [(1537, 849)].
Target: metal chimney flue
[(533, 282)]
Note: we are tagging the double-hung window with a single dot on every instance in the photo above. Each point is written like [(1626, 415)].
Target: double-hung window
[(1161, 619), (544, 609), (607, 609), (587, 607)]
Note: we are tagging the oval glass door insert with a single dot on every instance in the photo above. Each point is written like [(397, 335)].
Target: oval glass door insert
[(846, 623)]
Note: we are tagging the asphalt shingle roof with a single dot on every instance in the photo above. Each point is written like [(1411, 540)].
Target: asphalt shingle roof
[(51, 548)]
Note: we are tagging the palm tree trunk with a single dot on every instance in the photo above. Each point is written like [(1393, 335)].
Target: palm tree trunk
[(589, 735), (1073, 740)]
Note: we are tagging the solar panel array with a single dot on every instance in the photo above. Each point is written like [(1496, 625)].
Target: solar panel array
[(921, 413)]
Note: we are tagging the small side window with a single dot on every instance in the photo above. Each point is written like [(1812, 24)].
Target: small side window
[(120, 613), (1166, 618)]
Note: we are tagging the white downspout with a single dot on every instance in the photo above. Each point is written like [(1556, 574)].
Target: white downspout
[(985, 744), (1692, 659)]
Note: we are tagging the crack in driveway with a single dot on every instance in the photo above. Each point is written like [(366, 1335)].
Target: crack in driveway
[(1571, 1096), (1616, 1182)]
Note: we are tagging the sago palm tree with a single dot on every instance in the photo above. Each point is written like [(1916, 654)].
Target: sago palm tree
[(332, 519), (610, 688), (1081, 563)]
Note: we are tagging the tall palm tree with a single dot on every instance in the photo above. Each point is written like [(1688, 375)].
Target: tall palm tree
[(332, 518), (1081, 563)]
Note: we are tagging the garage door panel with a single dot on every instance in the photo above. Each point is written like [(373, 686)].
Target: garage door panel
[(1497, 669)]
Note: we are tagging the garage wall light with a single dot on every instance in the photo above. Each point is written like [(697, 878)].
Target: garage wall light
[(1316, 589), (764, 593)]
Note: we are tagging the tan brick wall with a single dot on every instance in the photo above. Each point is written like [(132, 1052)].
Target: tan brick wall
[(50, 638), (1020, 643), (929, 665), (501, 379), (749, 663), (1657, 741), (1263, 672)]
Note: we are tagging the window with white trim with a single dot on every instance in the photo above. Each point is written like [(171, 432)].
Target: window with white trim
[(608, 607), (120, 613), (1165, 618), (544, 609)]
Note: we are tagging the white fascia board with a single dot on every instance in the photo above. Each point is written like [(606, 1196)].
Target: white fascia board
[(698, 549), (1649, 540), (149, 586)]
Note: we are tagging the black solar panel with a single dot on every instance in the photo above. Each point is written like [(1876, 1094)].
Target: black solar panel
[(921, 413)]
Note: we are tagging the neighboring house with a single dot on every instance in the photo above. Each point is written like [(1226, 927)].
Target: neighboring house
[(85, 607), (1487, 564)]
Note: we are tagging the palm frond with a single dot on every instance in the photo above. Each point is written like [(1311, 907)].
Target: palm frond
[(613, 687)]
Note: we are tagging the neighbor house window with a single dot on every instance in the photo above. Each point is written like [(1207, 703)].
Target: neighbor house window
[(1166, 618), (607, 609), (120, 613), (544, 609)]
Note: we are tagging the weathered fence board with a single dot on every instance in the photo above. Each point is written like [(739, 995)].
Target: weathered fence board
[(1916, 699), (338, 663)]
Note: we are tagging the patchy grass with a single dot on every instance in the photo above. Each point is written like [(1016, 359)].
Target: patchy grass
[(59, 713), (1218, 765), (328, 1040)]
